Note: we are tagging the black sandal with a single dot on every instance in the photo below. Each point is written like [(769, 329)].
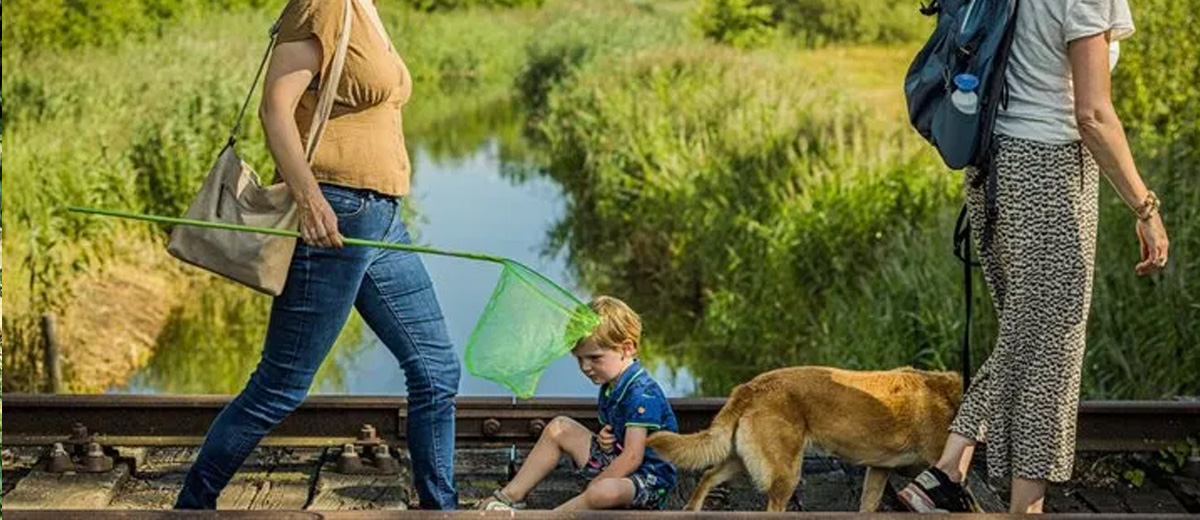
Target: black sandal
[(933, 491)]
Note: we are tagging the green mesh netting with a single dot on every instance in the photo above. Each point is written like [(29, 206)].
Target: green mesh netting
[(528, 323)]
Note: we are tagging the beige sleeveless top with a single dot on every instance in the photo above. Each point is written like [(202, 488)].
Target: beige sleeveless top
[(363, 145)]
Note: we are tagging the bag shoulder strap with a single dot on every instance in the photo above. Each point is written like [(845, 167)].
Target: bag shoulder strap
[(329, 84), (376, 23), (327, 92)]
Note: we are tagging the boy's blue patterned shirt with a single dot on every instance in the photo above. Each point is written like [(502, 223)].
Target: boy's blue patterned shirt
[(635, 399)]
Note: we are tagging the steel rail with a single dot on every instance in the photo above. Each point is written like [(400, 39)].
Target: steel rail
[(181, 420)]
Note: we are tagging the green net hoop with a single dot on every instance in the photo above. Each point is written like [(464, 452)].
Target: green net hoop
[(528, 322)]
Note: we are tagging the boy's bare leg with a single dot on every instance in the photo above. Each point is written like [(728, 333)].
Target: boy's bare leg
[(562, 436), (608, 493)]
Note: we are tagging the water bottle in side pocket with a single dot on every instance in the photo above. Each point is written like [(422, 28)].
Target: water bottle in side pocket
[(958, 122)]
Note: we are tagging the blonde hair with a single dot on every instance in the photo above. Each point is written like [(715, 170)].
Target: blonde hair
[(618, 323)]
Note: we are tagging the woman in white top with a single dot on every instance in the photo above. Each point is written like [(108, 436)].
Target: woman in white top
[(1057, 133)]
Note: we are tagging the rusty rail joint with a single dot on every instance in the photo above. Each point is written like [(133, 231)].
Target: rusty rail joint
[(377, 460)]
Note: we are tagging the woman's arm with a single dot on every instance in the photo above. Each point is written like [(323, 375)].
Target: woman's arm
[(293, 66), (1104, 136)]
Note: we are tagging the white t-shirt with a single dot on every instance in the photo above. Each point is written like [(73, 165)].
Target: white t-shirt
[(1041, 99)]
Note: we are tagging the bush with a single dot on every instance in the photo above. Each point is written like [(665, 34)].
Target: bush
[(38, 25), (836, 21), (741, 23), (172, 152), (556, 53), (449, 5), (745, 23), (730, 198)]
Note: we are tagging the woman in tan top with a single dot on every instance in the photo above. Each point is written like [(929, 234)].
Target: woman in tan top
[(353, 188)]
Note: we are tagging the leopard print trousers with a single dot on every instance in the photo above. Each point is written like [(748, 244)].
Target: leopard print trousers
[(1024, 400)]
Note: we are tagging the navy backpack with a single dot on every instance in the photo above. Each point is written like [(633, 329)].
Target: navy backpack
[(969, 45)]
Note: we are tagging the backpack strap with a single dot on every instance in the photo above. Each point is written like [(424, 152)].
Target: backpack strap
[(962, 250)]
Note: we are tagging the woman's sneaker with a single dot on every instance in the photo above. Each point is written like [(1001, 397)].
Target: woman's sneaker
[(933, 491), (499, 502)]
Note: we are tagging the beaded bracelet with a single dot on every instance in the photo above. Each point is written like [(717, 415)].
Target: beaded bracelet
[(1149, 207)]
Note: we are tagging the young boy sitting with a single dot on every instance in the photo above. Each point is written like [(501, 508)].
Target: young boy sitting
[(622, 471)]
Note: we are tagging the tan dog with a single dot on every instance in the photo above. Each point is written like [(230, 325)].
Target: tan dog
[(881, 420)]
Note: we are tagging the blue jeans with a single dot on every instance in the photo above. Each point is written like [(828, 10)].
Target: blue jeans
[(393, 293)]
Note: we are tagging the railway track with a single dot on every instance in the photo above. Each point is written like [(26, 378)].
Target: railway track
[(150, 441)]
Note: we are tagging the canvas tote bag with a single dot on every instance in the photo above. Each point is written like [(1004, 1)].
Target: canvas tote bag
[(233, 194)]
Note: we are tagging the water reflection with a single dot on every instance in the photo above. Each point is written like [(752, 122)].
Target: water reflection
[(211, 344)]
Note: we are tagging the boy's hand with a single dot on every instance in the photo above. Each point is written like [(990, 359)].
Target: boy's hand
[(633, 452), (606, 439)]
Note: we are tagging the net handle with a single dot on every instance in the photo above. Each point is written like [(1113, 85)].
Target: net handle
[(283, 232)]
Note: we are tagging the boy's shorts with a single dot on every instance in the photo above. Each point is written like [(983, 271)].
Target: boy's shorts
[(648, 491)]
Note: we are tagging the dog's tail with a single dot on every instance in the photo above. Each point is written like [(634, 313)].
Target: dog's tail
[(705, 448)]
